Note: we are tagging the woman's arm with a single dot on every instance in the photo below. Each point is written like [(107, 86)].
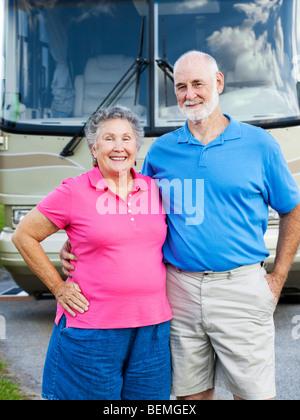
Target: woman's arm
[(33, 229)]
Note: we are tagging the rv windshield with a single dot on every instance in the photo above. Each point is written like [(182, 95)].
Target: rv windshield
[(256, 45), (63, 59), (72, 57)]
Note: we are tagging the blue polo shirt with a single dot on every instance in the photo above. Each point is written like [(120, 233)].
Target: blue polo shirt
[(217, 196)]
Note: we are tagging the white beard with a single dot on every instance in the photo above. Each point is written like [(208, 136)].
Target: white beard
[(207, 108)]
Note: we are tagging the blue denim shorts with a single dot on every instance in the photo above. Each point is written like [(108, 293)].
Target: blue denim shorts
[(117, 364)]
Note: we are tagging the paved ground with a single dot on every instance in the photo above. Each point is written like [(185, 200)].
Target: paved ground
[(29, 325)]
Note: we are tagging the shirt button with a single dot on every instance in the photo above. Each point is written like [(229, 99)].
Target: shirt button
[(129, 204), (129, 211), (132, 219)]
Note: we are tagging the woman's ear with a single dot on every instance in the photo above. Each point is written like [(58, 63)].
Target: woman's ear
[(94, 155), (94, 151)]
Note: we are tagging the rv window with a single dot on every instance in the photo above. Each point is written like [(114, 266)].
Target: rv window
[(254, 44), (73, 56)]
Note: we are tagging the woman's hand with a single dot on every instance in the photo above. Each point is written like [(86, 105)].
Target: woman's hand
[(69, 296)]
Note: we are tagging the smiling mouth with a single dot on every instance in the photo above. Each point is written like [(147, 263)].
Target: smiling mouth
[(118, 159), (192, 105)]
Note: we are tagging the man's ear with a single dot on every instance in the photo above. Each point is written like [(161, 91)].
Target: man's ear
[(220, 82)]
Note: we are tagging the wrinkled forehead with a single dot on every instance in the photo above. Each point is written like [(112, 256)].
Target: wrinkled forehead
[(117, 126), (192, 68)]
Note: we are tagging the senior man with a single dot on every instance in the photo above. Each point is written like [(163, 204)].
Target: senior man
[(222, 299)]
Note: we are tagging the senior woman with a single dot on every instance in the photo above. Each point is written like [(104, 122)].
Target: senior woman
[(111, 333)]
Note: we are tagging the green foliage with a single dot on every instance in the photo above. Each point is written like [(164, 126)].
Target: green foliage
[(9, 391)]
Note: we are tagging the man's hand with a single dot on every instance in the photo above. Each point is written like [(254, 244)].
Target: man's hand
[(275, 283), (288, 243), (66, 257)]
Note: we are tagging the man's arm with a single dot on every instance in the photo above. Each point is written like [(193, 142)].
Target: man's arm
[(288, 243)]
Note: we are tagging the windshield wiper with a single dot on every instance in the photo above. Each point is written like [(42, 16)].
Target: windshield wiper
[(163, 63), (166, 67), (132, 75)]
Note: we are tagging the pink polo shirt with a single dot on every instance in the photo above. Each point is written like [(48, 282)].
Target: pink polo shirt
[(118, 244)]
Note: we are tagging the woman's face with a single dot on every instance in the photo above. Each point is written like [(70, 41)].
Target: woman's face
[(116, 149)]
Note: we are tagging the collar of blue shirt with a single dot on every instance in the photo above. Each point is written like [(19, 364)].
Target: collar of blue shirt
[(232, 132)]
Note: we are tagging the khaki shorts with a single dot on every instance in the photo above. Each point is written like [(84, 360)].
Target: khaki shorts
[(223, 332)]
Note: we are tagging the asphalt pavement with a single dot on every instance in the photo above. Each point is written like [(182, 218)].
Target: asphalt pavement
[(27, 327)]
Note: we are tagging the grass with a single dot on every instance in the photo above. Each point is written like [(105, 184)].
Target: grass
[(9, 390)]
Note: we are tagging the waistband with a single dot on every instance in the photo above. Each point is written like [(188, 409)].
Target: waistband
[(212, 273)]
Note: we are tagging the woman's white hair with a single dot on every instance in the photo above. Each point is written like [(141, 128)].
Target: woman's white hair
[(93, 126)]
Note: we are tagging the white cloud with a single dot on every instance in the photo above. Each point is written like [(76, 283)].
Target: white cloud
[(258, 11), (251, 57), (254, 59)]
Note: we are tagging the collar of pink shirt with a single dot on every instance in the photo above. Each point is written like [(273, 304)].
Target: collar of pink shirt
[(98, 181)]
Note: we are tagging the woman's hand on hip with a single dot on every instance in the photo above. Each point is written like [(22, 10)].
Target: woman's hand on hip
[(69, 296)]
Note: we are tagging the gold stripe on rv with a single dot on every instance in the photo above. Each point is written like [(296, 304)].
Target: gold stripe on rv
[(10, 162)]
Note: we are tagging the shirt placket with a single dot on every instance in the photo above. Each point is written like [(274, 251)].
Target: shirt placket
[(204, 150), (129, 203), (129, 209)]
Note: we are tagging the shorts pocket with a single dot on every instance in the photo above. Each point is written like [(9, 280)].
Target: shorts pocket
[(266, 288), (62, 324)]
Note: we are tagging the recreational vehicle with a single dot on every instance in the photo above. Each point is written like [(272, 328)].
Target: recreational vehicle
[(60, 60)]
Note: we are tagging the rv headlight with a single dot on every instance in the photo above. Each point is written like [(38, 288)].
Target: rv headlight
[(273, 215), (18, 215)]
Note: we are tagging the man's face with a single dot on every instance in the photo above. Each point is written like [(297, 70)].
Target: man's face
[(197, 89)]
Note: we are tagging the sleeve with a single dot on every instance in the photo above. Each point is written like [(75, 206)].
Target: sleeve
[(147, 169), (57, 206), (281, 190)]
